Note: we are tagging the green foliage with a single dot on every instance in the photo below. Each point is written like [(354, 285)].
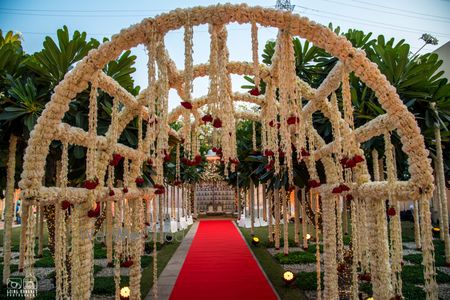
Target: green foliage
[(46, 261), (414, 258), (106, 285), (413, 292), (99, 251), (146, 261), (415, 77), (57, 58), (299, 257), (414, 274), (307, 281)]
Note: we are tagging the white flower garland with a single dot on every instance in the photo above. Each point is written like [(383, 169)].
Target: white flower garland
[(442, 192), (8, 208), (395, 228), (329, 247), (255, 54), (431, 287), (152, 31)]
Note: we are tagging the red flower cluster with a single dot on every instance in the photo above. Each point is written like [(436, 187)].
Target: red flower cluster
[(126, 264), (149, 162), (254, 92), (116, 159), (234, 161), (195, 162), (304, 152), (177, 182), (94, 213), (269, 153), (90, 184), (351, 162), (111, 193), (312, 183), (166, 156), (207, 118), (125, 190), (65, 205), (269, 166), (391, 211), (293, 120), (159, 189), (186, 104), (217, 123), (139, 181), (273, 123), (365, 277), (349, 197), (341, 188)]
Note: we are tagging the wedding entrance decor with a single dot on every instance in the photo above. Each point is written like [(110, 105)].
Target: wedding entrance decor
[(287, 105)]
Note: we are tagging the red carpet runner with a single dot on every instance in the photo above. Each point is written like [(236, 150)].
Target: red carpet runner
[(219, 266)]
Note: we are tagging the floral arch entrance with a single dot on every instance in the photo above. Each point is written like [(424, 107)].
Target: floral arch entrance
[(286, 126)]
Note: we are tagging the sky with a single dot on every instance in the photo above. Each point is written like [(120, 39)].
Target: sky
[(400, 19)]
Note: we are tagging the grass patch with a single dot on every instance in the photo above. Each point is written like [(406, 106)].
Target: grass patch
[(313, 247), (414, 258), (412, 292), (46, 261), (271, 267), (99, 251), (307, 281), (414, 275), (146, 261), (97, 269), (299, 257), (106, 286), (366, 288)]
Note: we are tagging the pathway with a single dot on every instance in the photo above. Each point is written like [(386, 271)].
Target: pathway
[(219, 265)]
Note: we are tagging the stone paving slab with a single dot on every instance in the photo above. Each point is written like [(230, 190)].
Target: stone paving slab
[(169, 275)]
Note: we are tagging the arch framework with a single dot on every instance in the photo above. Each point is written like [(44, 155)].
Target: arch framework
[(100, 149)]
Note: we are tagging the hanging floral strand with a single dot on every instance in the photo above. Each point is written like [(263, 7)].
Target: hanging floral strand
[(394, 224), (255, 54), (62, 284)]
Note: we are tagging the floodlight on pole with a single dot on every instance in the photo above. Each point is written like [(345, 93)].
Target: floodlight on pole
[(285, 5)]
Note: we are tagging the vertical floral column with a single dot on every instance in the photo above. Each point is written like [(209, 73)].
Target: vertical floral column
[(296, 216), (270, 215), (61, 274), (429, 273), (9, 209), (276, 199), (442, 190), (394, 215), (30, 245), (329, 247), (380, 265), (136, 249), (285, 197)]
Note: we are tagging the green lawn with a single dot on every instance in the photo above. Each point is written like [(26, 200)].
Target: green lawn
[(306, 281), (271, 266), (102, 285)]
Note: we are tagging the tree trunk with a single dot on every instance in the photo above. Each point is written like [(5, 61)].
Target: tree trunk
[(285, 197), (270, 216), (304, 219), (296, 218), (9, 207), (41, 232), (442, 192), (277, 218), (252, 208), (417, 226)]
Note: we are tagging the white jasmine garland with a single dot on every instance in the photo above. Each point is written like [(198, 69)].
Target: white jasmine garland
[(151, 105)]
